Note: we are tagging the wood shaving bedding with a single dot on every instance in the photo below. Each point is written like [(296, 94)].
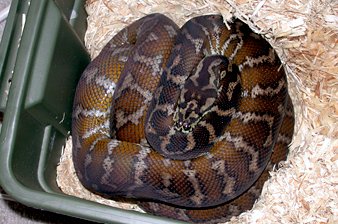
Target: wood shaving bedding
[(305, 35)]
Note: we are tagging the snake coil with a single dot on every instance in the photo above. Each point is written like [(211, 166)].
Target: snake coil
[(189, 120)]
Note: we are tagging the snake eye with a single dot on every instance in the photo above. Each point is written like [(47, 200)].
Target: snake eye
[(183, 126), (186, 127)]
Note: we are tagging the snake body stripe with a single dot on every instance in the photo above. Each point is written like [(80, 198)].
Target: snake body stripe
[(188, 118)]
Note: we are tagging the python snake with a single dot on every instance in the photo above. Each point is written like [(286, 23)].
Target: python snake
[(189, 121)]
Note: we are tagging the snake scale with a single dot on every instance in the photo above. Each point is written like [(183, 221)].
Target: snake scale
[(186, 120)]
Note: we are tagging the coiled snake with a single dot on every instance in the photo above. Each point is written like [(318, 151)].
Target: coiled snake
[(184, 118)]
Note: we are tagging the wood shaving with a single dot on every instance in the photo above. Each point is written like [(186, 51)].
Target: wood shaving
[(305, 35)]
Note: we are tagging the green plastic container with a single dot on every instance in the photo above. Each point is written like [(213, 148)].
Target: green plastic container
[(42, 56)]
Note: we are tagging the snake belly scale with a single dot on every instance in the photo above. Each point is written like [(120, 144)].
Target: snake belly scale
[(186, 120)]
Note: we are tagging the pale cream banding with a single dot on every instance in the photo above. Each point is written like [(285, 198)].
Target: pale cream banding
[(253, 117), (151, 37), (198, 196), (209, 156), (134, 118), (170, 30), (90, 73), (108, 163), (166, 179), (196, 75), (140, 166), (198, 43), (92, 146), (231, 87), (108, 167), (112, 144), (167, 162), (219, 166), (123, 58), (187, 163), (209, 102), (77, 111), (182, 215), (106, 83), (251, 62), (93, 113), (168, 108), (239, 46), (191, 143), (177, 79), (88, 160), (125, 36), (227, 43), (240, 143), (224, 113), (217, 32), (77, 143), (121, 49), (210, 128), (144, 142), (102, 128), (283, 139), (269, 91), (214, 77), (147, 95), (153, 62)]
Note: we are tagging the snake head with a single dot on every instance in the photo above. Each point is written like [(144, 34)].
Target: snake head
[(199, 92), (188, 113)]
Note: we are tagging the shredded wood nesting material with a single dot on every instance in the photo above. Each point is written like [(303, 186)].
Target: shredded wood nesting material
[(305, 35)]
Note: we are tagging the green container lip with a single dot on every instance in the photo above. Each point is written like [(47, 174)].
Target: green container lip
[(11, 37), (26, 34)]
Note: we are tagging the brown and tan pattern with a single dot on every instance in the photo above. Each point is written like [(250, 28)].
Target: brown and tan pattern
[(187, 117)]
